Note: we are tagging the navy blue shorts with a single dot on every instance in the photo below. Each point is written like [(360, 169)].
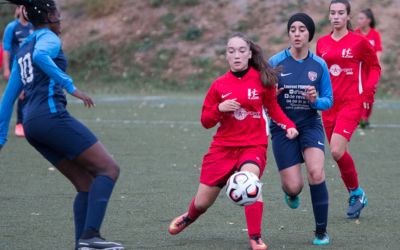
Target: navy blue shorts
[(58, 136), (290, 152)]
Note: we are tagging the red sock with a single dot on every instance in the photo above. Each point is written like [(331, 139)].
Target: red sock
[(193, 212), (254, 214), (348, 171)]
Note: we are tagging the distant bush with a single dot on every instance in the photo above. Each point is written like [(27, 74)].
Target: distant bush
[(158, 3), (94, 8), (192, 33), (168, 20), (90, 61)]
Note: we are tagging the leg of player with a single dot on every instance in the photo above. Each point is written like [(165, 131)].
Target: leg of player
[(254, 214), (98, 161), (292, 184), (81, 179), (19, 129), (358, 199), (314, 159), (204, 198)]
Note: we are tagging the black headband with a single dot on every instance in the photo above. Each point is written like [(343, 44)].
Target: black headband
[(306, 20)]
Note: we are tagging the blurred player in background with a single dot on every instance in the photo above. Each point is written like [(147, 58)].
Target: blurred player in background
[(346, 53), (65, 142), (304, 87), (236, 100), (366, 27), (14, 34)]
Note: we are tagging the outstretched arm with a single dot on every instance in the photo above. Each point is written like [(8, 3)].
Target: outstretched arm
[(13, 89)]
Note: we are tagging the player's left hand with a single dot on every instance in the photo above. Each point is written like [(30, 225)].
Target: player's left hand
[(311, 94), (87, 100), (292, 133)]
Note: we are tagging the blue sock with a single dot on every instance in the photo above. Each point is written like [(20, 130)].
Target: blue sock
[(80, 208), (320, 202), (357, 191), (99, 195)]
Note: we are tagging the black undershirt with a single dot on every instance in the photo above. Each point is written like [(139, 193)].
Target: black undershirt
[(240, 74)]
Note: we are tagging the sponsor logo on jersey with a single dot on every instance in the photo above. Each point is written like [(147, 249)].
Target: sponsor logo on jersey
[(241, 114), (335, 70), (252, 94), (346, 53), (312, 75), (225, 95)]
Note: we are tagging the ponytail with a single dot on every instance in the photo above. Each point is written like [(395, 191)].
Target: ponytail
[(257, 61)]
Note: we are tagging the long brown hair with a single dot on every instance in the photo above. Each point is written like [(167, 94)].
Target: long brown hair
[(268, 75), (348, 10)]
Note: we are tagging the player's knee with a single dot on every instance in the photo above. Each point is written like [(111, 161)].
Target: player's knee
[(336, 152), (110, 169), (316, 176), (293, 188), (113, 170)]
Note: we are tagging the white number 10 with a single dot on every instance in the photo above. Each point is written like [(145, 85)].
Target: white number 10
[(25, 64)]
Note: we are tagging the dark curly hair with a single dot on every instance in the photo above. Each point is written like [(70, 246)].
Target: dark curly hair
[(37, 11)]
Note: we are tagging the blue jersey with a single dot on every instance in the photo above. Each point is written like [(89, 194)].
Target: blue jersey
[(41, 74), (294, 78), (14, 34)]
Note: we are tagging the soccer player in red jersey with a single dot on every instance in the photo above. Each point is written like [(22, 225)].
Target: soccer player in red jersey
[(366, 27), (346, 53), (236, 101)]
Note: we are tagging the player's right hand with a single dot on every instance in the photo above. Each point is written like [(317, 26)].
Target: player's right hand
[(229, 105), (87, 100), (292, 133)]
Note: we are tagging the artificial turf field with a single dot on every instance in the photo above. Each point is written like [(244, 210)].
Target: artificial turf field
[(159, 143)]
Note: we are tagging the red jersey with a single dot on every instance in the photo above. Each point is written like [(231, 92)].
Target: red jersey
[(247, 125), (373, 37), (345, 59)]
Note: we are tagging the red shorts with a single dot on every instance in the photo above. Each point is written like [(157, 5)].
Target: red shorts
[(343, 119), (221, 162)]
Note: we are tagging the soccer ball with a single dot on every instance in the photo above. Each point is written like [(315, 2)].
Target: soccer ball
[(243, 188)]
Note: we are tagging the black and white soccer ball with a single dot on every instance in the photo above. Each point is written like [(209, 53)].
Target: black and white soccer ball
[(243, 188)]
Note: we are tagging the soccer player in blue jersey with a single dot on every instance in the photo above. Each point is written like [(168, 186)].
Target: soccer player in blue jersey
[(14, 34), (304, 87), (65, 142)]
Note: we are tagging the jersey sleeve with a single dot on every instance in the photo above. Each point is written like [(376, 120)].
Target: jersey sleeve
[(210, 115), (274, 111), (370, 60), (13, 89), (8, 37), (47, 47), (325, 98)]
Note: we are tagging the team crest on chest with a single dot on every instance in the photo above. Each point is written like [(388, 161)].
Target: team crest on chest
[(312, 75), (252, 94), (346, 53)]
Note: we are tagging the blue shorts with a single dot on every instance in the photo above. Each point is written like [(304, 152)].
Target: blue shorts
[(290, 152), (58, 136)]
